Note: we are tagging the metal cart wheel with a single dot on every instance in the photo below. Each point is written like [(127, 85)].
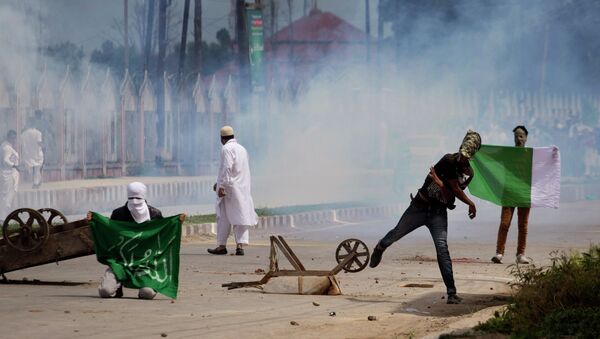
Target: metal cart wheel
[(53, 217), (348, 246), (25, 229)]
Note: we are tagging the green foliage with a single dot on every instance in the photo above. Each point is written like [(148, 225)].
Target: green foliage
[(201, 219), (498, 324), (215, 55), (111, 56), (65, 53), (560, 300), (305, 208), (580, 322)]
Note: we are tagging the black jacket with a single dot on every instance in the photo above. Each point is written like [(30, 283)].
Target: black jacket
[(123, 214)]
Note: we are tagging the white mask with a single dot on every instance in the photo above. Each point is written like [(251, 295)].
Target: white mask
[(136, 202)]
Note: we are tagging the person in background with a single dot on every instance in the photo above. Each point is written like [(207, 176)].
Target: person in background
[(9, 173), (446, 182), (506, 214), (235, 206), (32, 150)]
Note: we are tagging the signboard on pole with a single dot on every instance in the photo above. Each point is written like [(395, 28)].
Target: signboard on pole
[(255, 29)]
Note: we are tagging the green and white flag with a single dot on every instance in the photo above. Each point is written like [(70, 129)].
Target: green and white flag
[(140, 255), (517, 176)]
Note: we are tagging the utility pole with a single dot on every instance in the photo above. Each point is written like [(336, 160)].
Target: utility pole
[(126, 33), (273, 22), (198, 34), (182, 107), (291, 31), (186, 15), (243, 56), (544, 59), (148, 37), (160, 70), (379, 28), (368, 29), (397, 32)]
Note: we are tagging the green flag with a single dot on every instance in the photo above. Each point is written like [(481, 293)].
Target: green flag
[(140, 255)]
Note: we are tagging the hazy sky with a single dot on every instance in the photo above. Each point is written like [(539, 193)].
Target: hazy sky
[(90, 22)]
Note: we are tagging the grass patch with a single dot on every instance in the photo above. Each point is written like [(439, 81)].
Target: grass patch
[(265, 212), (553, 302), (201, 219)]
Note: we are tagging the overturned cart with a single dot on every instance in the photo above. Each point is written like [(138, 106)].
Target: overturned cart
[(352, 255), (37, 237)]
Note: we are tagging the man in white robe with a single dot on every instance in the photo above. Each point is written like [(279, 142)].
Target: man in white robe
[(9, 173), (234, 202), (32, 155)]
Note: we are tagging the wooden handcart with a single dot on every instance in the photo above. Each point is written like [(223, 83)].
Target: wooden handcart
[(37, 237), (352, 255)]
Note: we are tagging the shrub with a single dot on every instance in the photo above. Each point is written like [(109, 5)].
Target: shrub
[(559, 300)]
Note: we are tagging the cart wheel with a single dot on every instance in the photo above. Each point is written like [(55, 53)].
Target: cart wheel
[(53, 217), (25, 229), (349, 246)]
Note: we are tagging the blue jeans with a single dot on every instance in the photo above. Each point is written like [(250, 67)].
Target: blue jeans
[(436, 220)]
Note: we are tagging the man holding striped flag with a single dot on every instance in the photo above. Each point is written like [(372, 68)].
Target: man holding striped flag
[(516, 177)]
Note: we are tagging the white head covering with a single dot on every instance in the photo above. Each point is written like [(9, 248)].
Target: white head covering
[(136, 202)]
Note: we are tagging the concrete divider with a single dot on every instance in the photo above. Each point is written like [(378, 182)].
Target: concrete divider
[(314, 218), (79, 200)]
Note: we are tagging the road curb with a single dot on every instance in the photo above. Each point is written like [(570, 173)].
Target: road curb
[(314, 218)]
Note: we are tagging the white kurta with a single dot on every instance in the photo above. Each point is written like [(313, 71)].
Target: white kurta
[(9, 178), (31, 149), (234, 177)]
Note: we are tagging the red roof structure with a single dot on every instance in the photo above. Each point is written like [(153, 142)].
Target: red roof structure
[(299, 51), (319, 39), (320, 26)]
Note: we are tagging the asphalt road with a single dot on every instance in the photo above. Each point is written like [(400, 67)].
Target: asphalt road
[(63, 303)]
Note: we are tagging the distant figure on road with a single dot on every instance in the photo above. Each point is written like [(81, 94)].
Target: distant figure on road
[(520, 133), (9, 173), (32, 150), (135, 210), (234, 202), (445, 182)]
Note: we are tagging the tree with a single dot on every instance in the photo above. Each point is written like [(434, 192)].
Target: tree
[(217, 54), (197, 46), (65, 53)]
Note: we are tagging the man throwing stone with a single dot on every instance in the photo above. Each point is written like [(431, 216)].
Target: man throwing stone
[(445, 182), (234, 202)]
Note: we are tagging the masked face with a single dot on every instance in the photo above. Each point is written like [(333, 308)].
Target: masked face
[(520, 138), (470, 144), (136, 201)]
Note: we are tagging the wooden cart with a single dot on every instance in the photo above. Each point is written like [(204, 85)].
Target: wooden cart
[(352, 255), (37, 237)]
